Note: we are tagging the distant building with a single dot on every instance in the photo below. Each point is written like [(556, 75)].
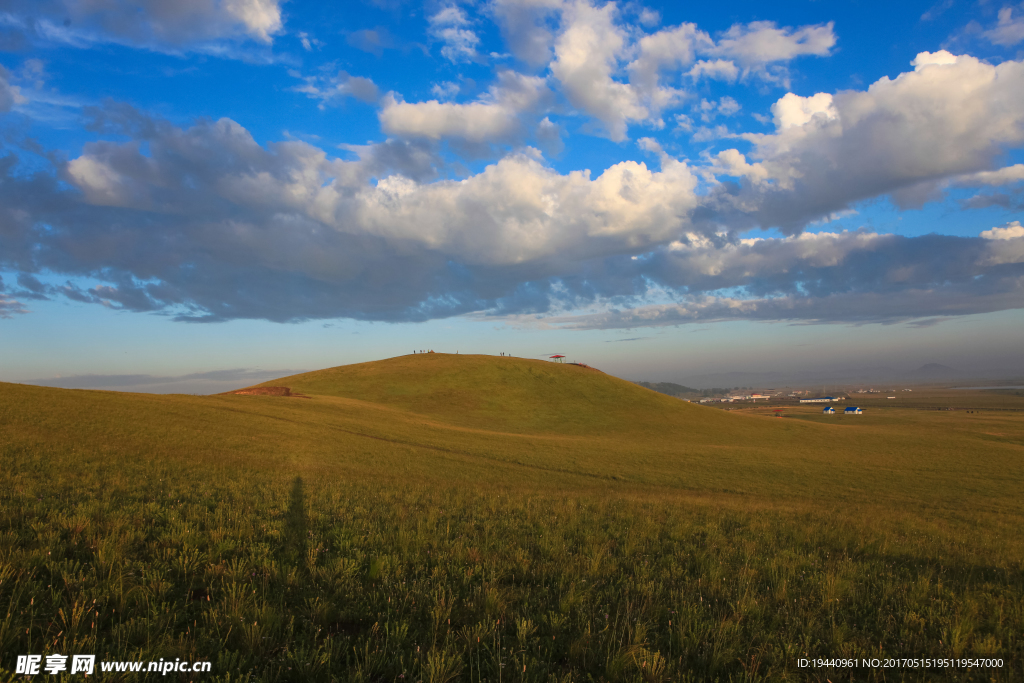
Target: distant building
[(820, 399), (829, 410), (853, 410)]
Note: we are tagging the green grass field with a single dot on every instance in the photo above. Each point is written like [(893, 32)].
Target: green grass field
[(439, 518)]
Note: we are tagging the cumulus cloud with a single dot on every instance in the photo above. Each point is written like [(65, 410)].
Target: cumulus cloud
[(671, 49), (832, 150), (211, 225), (793, 110), (204, 223), (496, 117), (1011, 231), (146, 23), (593, 46), (758, 45), (586, 56)]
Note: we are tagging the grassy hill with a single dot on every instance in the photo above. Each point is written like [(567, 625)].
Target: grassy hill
[(447, 517), (500, 394)]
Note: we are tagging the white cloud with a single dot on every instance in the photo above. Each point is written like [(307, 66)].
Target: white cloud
[(826, 155), (449, 26), (939, 57), (221, 227), (593, 44), (1003, 176), (308, 42), (707, 134), (475, 121), (731, 162), (148, 23), (793, 110), (672, 49), (588, 51), (261, 18), (649, 17), (1008, 31), (762, 42), (330, 88), (683, 123), (524, 25), (1006, 244), (727, 106), (227, 222), (10, 95), (586, 56), (493, 118), (653, 146), (709, 109), (1011, 231), (518, 210), (445, 90), (718, 70), (761, 49)]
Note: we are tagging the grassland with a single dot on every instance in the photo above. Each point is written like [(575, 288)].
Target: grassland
[(440, 518)]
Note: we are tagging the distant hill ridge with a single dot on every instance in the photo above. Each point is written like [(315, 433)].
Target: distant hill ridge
[(934, 369), (669, 388)]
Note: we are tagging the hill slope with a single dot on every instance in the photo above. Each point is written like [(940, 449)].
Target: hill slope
[(504, 394)]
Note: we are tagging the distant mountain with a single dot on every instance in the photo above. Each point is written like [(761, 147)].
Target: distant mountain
[(933, 370), (791, 378), (840, 375), (669, 388)]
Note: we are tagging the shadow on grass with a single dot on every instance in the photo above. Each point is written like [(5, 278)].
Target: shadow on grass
[(295, 524)]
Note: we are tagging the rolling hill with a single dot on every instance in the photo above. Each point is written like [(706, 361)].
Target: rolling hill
[(504, 394)]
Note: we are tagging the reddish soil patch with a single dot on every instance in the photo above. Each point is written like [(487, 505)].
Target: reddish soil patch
[(268, 391)]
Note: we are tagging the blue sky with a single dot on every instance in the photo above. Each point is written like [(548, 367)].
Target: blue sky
[(221, 190)]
